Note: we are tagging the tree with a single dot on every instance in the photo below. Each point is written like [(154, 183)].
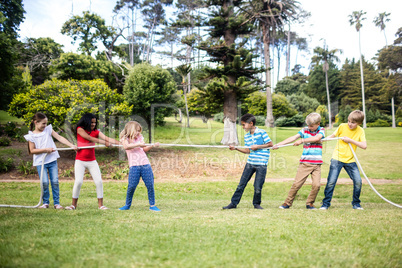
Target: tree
[(90, 28), (147, 85), (380, 22), (184, 70), (37, 54), (64, 102), (256, 104), (11, 15), (303, 103), (324, 55), (271, 16), (232, 60), (357, 18), (287, 87)]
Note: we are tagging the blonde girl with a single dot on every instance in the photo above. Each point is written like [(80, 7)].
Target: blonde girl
[(40, 142), (133, 143)]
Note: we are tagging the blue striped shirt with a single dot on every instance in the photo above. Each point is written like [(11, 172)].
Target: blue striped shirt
[(259, 137)]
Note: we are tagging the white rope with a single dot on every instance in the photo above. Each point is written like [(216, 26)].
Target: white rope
[(372, 187)]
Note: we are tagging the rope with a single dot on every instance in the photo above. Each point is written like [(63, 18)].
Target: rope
[(372, 187)]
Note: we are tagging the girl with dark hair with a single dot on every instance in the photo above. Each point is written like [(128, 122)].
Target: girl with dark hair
[(40, 142), (88, 135)]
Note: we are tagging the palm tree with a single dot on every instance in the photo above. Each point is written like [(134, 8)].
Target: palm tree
[(324, 55), (184, 70), (357, 18), (380, 22)]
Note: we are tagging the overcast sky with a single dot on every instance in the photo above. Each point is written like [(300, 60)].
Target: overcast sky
[(329, 21)]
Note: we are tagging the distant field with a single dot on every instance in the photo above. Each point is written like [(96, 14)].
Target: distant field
[(5, 117)]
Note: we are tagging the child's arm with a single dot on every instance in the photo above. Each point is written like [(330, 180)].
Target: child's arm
[(317, 138), (361, 144), (242, 150), (33, 150), (146, 149), (262, 146), (63, 140), (108, 139), (83, 134), (129, 146), (288, 140)]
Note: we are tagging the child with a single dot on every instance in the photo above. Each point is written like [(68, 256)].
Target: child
[(40, 142), (88, 135), (257, 161), (342, 157), (310, 161), (133, 143)]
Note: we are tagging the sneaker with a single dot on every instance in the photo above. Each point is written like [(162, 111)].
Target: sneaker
[(154, 208), (284, 206), (230, 206), (357, 206), (258, 207), (310, 207), (124, 208), (324, 208), (44, 206)]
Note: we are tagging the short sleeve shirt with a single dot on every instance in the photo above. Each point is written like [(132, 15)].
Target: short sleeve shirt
[(312, 152), (137, 156), (259, 137), (86, 154), (43, 140), (342, 151)]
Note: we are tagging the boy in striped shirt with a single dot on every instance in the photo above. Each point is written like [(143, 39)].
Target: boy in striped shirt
[(258, 141), (310, 161)]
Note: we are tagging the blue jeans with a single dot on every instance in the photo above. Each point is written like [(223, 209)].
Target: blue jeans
[(51, 171), (334, 170), (134, 175), (260, 173)]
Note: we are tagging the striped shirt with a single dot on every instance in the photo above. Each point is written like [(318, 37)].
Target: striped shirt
[(312, 152), (259, 137)]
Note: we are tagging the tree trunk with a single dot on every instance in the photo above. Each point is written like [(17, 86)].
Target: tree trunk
[(185, 100), (326, 67), (362, 81), (393, 113), (229, 121), (269, 121), (288, 54)]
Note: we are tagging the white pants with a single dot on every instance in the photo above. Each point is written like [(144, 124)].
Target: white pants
[(79, 170)]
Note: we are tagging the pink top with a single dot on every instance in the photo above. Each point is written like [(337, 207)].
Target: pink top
[(137, 156)]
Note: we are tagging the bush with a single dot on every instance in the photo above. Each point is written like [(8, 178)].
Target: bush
[(379, 123), (260, 120), (6, 164), (26, 168), (219, 117), (5, 141), (294, 121), (66, 101)]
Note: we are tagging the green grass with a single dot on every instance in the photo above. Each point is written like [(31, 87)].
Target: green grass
[(5, 118), (193, 231)]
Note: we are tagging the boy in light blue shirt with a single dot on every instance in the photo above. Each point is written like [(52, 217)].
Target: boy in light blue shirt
[(258, 141)]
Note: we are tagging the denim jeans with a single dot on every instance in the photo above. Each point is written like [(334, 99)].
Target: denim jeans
[(260, 173), (51, 171), (334, 170), (134, 175)]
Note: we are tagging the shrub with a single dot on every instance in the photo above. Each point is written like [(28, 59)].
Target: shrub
[(6, 164), (260, 120), (26, 168), (66, 101), (219, 117), (294, 121), (379, 123), (5, 141)]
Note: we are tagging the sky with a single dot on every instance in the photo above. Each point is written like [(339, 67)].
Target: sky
[(329, 23)]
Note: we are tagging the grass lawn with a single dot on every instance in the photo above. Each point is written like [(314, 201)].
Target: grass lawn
[(193, 231), (5, 118)]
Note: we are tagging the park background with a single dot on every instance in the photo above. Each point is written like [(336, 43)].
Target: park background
[(165, 64)]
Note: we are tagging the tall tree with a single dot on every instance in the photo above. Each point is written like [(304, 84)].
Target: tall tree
[(11, 15), (380, 22), (356, 19), (324, 55), (232, 61), (184, 70), (271, 16)]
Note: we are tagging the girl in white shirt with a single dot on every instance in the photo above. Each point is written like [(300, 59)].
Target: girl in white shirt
[(40, 142)]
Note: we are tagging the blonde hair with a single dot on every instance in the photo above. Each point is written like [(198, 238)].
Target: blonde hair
[(313, 119), (131, 129), (356, 116)]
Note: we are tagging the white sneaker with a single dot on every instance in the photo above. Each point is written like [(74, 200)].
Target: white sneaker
[(324, 208)]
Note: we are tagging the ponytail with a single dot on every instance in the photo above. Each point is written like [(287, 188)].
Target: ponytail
[(37, 117)]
